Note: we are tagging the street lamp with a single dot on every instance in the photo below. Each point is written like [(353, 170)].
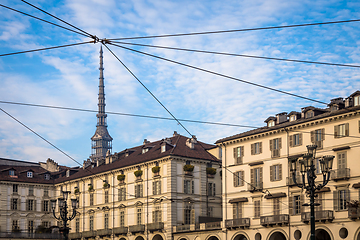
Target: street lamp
[(307, 168), (63, 208)]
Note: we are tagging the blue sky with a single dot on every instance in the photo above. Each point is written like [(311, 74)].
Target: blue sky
[(69, 77)]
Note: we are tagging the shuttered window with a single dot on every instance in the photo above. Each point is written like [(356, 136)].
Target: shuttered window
[(122, 194), (138, 190), (275, 146), (341, 130), (237, 210), (256, 148), (295, 204), (156, 187), (276, 172), (317, 137), (276, 206), (239, 179), (189, 187), (238, 154), (91, 223), (122, 218), (256, 178), (295, 140), (257, 208), (341, 198), (106, 196), (211, 189)]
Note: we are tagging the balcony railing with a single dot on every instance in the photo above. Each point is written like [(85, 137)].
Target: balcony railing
[(354, 212), (25, 235), (274, 220), (320, 216), (89, 234), (237, 223), (120, 230), (290, 180), (155, 226), (104, 232), (76, 235), (255, 186), (213, 225), (137, 228), (187, 227), (340, 174)]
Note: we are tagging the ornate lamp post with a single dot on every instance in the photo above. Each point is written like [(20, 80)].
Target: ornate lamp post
[(307, 168), (63, 208)]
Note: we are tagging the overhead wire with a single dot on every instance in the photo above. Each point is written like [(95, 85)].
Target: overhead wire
[(84, 32), (42, 49), (238, 30), (219, 74), (239, 55), (1, 5)]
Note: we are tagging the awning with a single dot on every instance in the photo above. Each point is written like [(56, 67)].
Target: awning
[(275, 195), (236, 200)]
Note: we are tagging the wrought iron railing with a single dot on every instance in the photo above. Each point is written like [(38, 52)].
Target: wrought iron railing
[(325, 215), (354, 212), (26, 235), (340, 174), (255, 186), (213, 225), (155, 226), (120, 230), (239, 222), (274, 219), (137, 228)]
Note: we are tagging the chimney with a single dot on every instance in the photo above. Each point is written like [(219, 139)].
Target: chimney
[(146, 141), (190, 142), (175, 134)]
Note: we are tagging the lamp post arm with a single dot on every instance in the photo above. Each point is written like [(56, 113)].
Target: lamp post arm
[(57, 218), (73, 215)]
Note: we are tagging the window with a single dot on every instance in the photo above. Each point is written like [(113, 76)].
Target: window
[(106, 221), (31, 190), (91, 223), (275, 146), (296, 204), (122, 194), (317, 166), (163, 148), (276, 206), (122, 218), (257, 208), (341, 164), (356, 100), (239, 179), (91, 199), (77, 225), (30, 226), (220, 153), (156, 187), (238, 210), (256, 148), (256, 178), (341, 198), (138, 216), (30, 205), (188, 186), (15, 204), (45, 206), (295, 140), (157, 213), (12, 172), (138, 190), (309, 114), (46, 193), (15, 188), (271, 123), (292, 118), (68, 173), (341, 130), (276, 172), (47, 176), (319, 200), (317, 137), (211, 189), (145, 150), (106, 196), (238, 154), (15, 225), (29, 174), (189, 214), (45, 224)]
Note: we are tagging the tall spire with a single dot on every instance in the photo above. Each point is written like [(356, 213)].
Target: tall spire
[(101, 141)]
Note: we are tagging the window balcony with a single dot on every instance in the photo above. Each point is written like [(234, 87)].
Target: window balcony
[(26, 235), (255, 187), (354, 212), (238, 223), (187, 227), (290, 181), (320, 216), (89, 234), (212, 225), (274, 220), (155, 226), (104, 232), (121, 230), (137, 228), (75, 235), (340, 174)]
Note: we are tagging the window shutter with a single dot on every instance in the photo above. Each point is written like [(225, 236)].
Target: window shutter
[(346, 129), (271, 145), (154, 188), (279, 143), (185, 186), (234, 211), (153, 216), (214, 189), (242, 151), (252, 180), (323, 134), (235, 153), (280, 171), (141, 190), (271, 173), (192, 187), (242, 176), (312, 134), (336, 200), (159, 183), (301, 203), (42, 206), (252, 149), (192, 216), (291, 210), (235, 178), (291, 141), (336, 131), (260, 147), (347, 197), (300, 138), (260, 173), (27, 205)]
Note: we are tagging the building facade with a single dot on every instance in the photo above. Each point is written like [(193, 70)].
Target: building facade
[(260, 200)]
